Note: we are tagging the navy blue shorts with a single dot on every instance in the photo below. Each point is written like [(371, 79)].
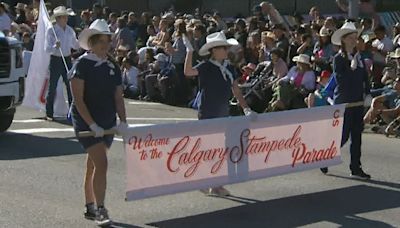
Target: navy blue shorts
[(87, 142)]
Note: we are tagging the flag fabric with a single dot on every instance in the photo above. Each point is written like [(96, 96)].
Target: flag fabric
[(37, 80)]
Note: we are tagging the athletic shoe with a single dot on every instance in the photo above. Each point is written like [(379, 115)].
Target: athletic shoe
[(359, 174), (324, 170), (102, 218), (89, 213)]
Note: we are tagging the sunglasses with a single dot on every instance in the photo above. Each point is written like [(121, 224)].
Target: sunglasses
[(222, 47)]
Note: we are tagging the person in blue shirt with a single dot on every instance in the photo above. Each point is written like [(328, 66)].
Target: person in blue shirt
[(217, 80), (352, 86), (97, 99)]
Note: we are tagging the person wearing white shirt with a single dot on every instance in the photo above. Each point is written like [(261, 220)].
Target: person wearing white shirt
[(58, 44), (130, 79), (380, 48), (5, 21)]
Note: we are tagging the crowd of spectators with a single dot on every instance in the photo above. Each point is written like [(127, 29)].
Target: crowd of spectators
[(150, 50)]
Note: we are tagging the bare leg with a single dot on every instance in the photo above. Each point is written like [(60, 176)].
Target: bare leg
[(88, 181), (97, 153)]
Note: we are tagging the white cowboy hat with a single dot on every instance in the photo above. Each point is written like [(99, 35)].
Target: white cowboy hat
[(395, 54), (98, 26), (71, 12), (60, 11), (302, 58), (216, 39), (324, 32), (347, 28), (20, 6)]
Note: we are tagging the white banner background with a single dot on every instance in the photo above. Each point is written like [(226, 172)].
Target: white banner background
[(171, 158)]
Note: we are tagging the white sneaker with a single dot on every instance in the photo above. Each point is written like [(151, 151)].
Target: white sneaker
[(102, 218)]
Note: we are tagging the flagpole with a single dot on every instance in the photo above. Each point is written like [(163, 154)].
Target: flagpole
[(57, 40)]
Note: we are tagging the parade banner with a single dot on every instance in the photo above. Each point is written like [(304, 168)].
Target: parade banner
[(171, 158), (37, 80)]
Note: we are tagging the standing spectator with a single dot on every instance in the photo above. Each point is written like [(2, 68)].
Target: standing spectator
[(5, 21), (381, 46), (221, 25), (352, 86), (217, 80), (271, 13), (306, 46), (133, 25), (151, 32), (97, 90), (130, 78), (20, 10), (366, 26), (123, 36), (282, 41), (314, 14), (97, 12), (253, 47), (163, 36), (268, 43), (85, 19), (112, 22), (58, 47), (156, 23), (396, 35), (27, 42), (241, 34)]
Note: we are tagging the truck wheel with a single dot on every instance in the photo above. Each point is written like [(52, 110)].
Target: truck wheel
[(5, 121)]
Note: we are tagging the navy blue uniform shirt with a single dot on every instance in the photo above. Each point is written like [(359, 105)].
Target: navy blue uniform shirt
[(351, 85), (215, 90)]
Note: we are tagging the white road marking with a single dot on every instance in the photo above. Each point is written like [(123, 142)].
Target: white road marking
[(143, 103), (160, 119), (52, 130), (129, 118), (28, 121)]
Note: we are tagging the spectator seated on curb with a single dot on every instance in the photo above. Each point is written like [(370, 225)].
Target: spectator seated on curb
[(320, 95), (290, 91), (386, 106), (130, 78)]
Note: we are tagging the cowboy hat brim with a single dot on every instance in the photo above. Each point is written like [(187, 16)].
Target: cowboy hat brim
[(205, 49), (299, 60), (86, 34), (338, 34), (394, 55)]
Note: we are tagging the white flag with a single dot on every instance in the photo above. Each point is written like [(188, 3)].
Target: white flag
[(37, 82)]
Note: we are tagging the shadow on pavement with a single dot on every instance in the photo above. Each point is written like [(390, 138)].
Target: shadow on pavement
[(371, 181), (339, 206), (122, 225), (24, 146)]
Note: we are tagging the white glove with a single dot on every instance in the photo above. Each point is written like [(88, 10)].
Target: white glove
[(98, 131), (250, 113), (188, 45), (367, 101), (122, 128)]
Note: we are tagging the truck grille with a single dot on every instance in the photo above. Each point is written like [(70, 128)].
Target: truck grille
[(5, 60)]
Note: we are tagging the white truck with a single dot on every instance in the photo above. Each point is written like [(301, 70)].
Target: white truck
[(12, 79)]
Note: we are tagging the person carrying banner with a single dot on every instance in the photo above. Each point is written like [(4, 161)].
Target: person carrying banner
[(60, 39), (97, 98), (352, 86), (217, 80)]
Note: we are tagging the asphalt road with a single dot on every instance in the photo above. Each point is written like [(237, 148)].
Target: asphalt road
[(42, 167)]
